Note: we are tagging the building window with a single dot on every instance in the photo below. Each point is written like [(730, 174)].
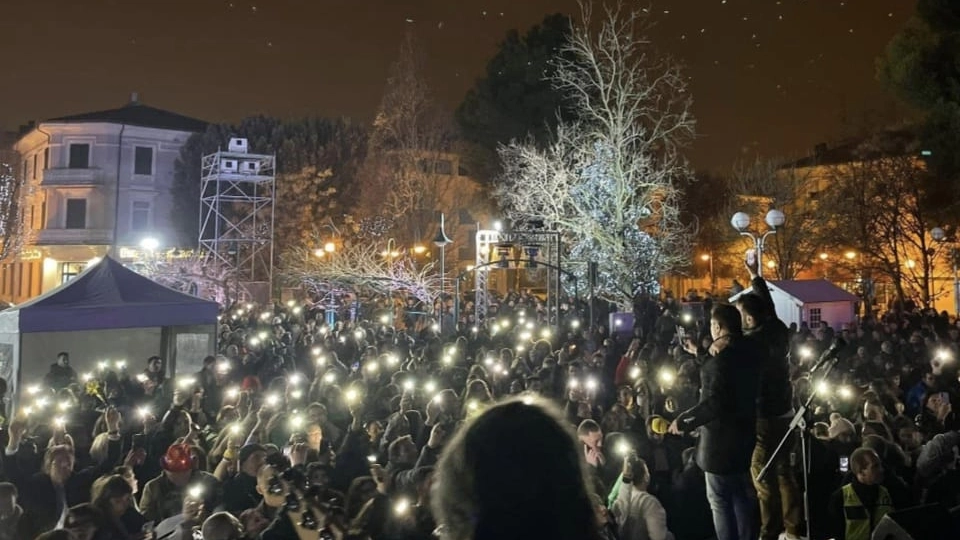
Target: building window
[(43, 215), (36, 158), (143, 160), (79, 156), (462, 171), (76, 214), (444, 167), (46, 158), (814, 317), (140, 216), (70, 270)]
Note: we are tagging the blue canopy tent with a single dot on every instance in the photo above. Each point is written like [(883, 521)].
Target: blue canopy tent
[(107, 313)]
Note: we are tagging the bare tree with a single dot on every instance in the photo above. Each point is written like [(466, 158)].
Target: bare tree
[(194, 273), (880, 207), (762, 185), (406, 177), (610, 181), (361, 267)]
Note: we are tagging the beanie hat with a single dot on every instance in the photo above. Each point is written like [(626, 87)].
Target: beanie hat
[(839, 425), (248, 451)]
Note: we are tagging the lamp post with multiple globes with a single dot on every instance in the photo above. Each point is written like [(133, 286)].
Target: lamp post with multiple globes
[(741, 222)]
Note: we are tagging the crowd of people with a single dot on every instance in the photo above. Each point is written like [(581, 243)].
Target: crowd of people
[(520, 426)]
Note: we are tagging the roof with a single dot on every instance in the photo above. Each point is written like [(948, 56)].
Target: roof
[(109, 295), (811, 291), (890, 143), (137, 114)]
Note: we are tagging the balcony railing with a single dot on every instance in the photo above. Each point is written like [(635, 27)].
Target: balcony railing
[(72, 177), (74, 237)]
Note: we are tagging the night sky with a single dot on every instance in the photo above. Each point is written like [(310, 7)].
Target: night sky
[(770, 76)]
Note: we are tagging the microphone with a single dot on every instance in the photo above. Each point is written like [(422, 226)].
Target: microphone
[(836, 347)]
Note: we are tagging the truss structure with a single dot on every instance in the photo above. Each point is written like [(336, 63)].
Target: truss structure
[(237, 218), (515, 249)]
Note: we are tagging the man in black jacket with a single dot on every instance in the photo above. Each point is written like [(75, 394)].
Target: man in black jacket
[(727, 414), (778, 493)]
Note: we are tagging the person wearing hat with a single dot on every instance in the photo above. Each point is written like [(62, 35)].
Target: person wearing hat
[(240, 491), (841, 429), (163, 496)]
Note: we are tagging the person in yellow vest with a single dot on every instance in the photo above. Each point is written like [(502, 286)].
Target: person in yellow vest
[(857, 507)]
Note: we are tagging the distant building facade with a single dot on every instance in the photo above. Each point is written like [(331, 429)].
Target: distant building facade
[(94, 183)]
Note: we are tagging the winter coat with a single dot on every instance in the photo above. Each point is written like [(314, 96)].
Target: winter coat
[(727, 411)]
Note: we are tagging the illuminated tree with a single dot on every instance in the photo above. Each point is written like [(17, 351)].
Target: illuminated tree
[(193, 273), (360, 268), (610, 181), (12, 193)]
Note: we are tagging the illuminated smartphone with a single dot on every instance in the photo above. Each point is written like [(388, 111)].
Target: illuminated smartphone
[(844, 464)]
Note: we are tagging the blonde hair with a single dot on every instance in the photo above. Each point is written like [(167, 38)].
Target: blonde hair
[(54, 451), (100, 448)]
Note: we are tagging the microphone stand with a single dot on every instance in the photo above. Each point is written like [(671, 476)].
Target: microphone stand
[(799, 424)]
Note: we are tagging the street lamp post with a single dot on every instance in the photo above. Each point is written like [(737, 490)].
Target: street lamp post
[(441, 240), (741, 222), (708, 258), (939, 235)]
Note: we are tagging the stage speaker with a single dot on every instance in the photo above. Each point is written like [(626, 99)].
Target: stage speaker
[(927, 522)]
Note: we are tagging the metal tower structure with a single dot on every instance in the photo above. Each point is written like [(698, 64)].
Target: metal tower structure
[(517, 249), (237, 215)]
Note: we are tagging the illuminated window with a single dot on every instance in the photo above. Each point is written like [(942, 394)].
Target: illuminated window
[(814, 317), (70, 270)]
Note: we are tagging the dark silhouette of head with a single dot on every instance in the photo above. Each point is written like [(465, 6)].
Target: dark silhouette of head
[(514, 472)]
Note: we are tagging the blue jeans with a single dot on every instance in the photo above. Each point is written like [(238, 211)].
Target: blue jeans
[(733, 501)]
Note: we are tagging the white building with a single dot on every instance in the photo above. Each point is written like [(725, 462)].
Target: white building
[(811, 301), (95, 182)]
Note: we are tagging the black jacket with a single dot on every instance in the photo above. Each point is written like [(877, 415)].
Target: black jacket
[(38, 494), (727, 410), (776, 393)]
